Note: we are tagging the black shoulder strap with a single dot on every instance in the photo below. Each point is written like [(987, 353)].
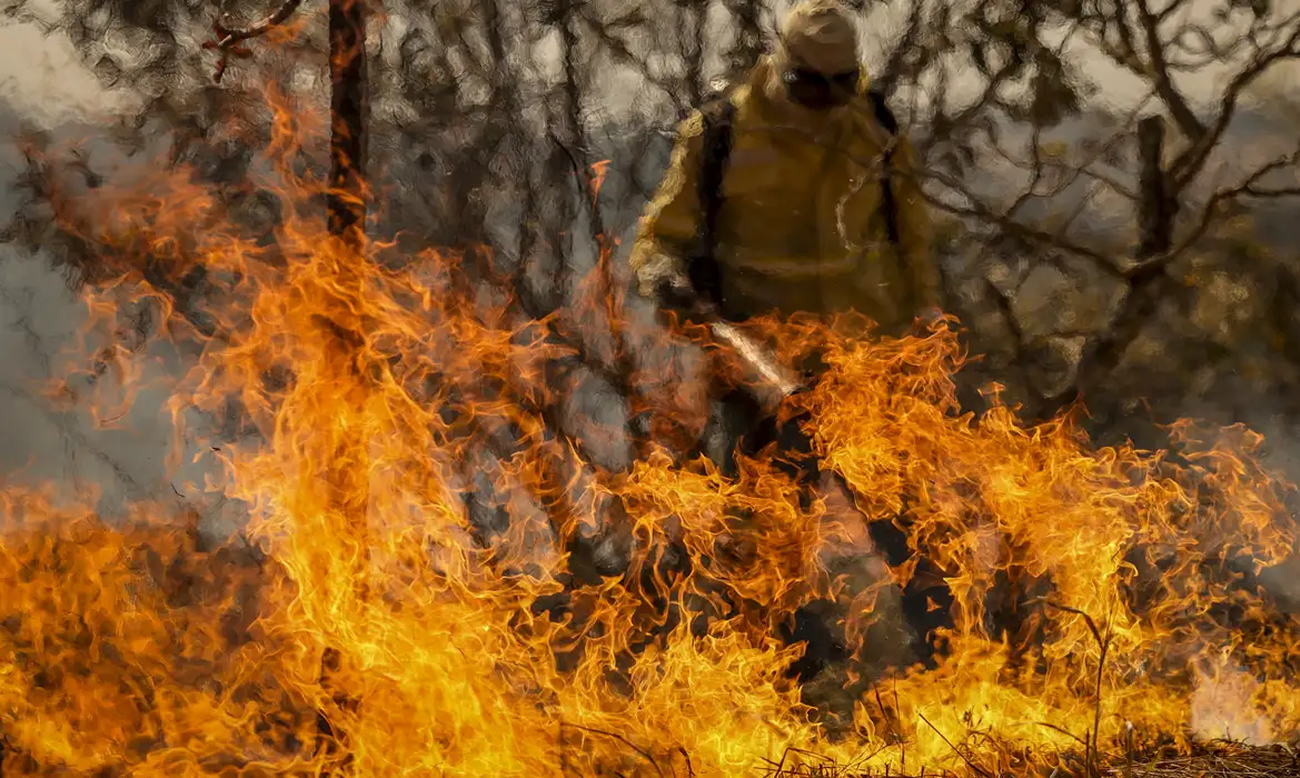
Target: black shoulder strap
[(718, 115), (890, 124)]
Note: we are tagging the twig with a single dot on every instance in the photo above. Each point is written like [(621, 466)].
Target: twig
[(1128, 748), (228, 37), (902, 742), (891, 721), (640, 751), (690, 769), (564, 751), (1063, 731), (1249, 187), (956, 750), (778, 768), (1103, 643)]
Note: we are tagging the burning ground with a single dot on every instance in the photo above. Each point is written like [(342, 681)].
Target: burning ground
[(414, 588)]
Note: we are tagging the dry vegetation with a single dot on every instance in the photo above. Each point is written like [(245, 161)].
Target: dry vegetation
[(487, 119), (1119, 252)]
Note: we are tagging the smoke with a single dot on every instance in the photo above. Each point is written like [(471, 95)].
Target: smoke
[(1223, 707), (120, 459), (51, 428), (44, 87), (42, 80)]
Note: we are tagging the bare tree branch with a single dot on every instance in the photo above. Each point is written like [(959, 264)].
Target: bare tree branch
[(1248, 187), (229, 37), (1159, 73), (1190, 162)]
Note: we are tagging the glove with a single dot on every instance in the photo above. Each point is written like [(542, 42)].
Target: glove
[(663, 280), (927, 320), (677, 294)]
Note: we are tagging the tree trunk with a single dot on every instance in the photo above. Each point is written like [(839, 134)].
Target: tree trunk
[(346, 220), (1149, 286), (346, 202), (1158, 206)]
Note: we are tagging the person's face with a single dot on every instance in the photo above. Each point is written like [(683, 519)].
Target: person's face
[(819, 91)]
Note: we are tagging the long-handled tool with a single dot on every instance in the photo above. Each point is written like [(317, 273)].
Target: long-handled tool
[(769, 381), (856, 536)]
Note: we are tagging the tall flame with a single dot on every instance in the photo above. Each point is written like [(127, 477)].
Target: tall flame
[(366, 401)]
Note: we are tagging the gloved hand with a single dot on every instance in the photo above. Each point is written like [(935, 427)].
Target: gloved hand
[(677, 294), (926, 320), (663, 279)]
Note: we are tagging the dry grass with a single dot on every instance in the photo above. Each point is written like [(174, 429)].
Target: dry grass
[(1217, 759)]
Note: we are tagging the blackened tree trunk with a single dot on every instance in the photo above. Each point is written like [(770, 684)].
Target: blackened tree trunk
[(1159, 204), (346, 220), (347, 198)]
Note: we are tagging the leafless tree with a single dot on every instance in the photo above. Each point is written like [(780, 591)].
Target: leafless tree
[(488, 124), (483, 144), (1126, 157)]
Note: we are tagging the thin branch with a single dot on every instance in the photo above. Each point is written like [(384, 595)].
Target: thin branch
[(1247, 188), (980, 210), (1103, 644), (621, 52), (690, 768), (1175, 5), (1159, 73), (229, 38), (640, 751), (904, 54), (1063, 731), (956, 750), (1189, 163)]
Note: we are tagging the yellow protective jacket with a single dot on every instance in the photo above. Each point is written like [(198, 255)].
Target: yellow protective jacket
[(801, 228)]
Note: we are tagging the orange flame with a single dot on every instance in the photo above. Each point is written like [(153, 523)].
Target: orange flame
[(374, 400)]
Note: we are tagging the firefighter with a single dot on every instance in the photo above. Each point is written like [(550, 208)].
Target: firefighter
[(794, 193), (801, 221)]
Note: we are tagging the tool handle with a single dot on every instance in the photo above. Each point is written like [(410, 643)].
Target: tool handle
[(768, 380)]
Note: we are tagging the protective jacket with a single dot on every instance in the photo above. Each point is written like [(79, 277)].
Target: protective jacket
[(800, 226)]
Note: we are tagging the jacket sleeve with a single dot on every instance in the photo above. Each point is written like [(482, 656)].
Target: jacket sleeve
[(669, 226), (914, 228)]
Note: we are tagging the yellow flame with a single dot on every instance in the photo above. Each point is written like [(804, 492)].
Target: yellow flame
[(374, 604)]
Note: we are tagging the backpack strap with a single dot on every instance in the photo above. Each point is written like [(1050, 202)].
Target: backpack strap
[(887, 120), (718, 116)]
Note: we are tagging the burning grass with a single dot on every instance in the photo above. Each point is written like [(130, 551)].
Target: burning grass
[(362, 622), (1218, 758), (1214, 759)]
